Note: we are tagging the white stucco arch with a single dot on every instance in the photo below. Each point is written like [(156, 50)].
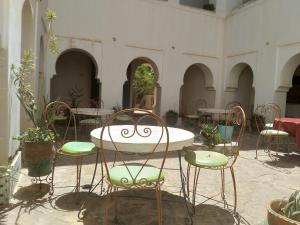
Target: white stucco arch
[(232, 81), (209, 79), (287, 72), (81, 51), (92, 48)]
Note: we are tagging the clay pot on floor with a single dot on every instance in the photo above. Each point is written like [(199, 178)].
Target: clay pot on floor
[(275, 218)]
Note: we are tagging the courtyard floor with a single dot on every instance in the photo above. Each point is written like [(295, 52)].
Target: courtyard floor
[(258, 182)]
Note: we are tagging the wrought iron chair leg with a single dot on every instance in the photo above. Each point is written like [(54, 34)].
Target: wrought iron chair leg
[(257, 144), (188, 179), (51, 191), (223, 185), (78, 175), (196, 177), (159, 205), (106, 205), (234, 187)]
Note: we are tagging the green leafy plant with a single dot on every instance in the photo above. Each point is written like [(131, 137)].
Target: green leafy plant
[(36, 134), (211, 134), (172, 113), (20, 77), (291, 209), (144, 81), (75, 93)]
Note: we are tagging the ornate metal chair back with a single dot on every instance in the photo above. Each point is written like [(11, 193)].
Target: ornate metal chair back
[(144, 128), (232, 104), (60, 118), (235, 125)]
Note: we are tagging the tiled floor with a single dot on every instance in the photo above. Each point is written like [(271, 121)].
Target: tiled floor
[(258, 182)]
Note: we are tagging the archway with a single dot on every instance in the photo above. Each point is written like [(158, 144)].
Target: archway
[(197, 84), (239, 87), (128, 100), (75, 80), (245, 92), (290, 82), (27, 40), (293, 95)]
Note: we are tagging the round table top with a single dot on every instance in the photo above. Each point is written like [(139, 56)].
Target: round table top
[(178, 138), (212, 110), (92, 111)]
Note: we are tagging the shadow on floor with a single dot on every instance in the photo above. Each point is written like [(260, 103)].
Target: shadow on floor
[(139, 207)]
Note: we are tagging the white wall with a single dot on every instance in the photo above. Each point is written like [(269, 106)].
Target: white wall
[(10, 53), (172, 36), (266, 29)]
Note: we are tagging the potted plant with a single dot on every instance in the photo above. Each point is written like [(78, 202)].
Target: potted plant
[(144, 82), (36, 141), (211, 134), (209, 6), (171, 117), (226, 129), (285, 212)]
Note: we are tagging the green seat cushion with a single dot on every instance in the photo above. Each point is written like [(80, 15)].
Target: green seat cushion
[(192, 116), (269, 125), (89, 122), (274, 133), (58, 117), (79, 148), (120, 176), (206, 159)]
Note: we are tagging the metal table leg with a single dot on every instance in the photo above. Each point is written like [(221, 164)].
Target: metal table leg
[(183, 184)]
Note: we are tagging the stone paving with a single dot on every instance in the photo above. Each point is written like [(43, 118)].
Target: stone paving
[(258, 182)]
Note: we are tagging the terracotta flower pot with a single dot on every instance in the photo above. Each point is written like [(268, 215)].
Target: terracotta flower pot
[(275, 218)]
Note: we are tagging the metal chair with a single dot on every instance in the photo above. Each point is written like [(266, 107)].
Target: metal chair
[(264, 116), (220, 157), (192, 120), (232, 104), (95, 120), (124, 172), (60, 118)]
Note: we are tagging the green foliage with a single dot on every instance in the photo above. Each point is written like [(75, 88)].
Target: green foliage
[(171, 113), (75, 94), (21, 76), (52, 41), (24, 93), (292, 208), (144, 81), (211, 134), (210, 7), (36, 134)]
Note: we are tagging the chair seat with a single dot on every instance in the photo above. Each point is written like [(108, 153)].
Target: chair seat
[(90, 121), (207, 159), (269, 125), (192, 116), (120, 176), (274, 133), (78, 148)]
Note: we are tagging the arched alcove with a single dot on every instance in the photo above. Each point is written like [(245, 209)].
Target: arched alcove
[(197, 84), (244, 93), (27, 40), (75, 80), (128, 100), (293, 94)]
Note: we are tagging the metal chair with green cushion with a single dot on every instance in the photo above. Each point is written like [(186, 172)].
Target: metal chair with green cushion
[(220, 157), (66, 138), (127, 171), (264, 116)]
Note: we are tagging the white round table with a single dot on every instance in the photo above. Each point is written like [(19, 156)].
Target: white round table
[(178, 138)]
